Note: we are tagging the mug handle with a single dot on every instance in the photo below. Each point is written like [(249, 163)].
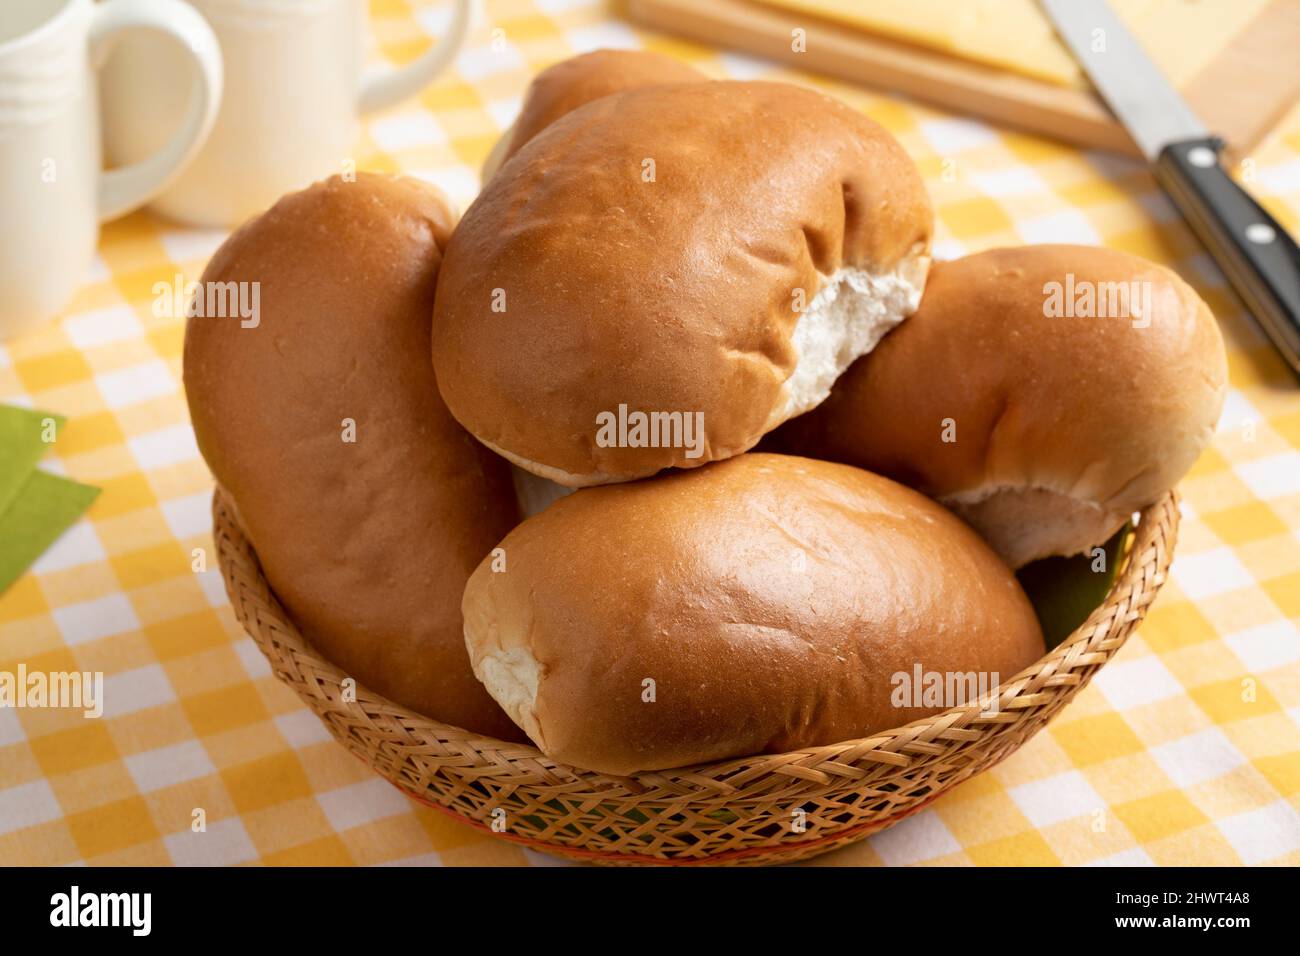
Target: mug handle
[(383, 86), (125, 189)]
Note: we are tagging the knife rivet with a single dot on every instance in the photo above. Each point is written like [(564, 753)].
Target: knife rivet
[(1260, 233), (1202, 156)]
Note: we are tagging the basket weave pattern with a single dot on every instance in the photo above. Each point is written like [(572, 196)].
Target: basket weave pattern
[(762, 809)]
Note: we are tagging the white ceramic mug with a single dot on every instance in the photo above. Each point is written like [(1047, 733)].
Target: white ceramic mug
[(53, 192), (295, 85)]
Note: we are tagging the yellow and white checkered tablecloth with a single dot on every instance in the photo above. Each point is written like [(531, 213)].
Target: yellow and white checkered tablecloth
[(1184, 750)]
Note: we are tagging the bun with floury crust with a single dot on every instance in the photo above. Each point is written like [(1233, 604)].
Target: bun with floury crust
[(714, 251), (563, 87), (765, 603), (1061, 425), (367, 543)]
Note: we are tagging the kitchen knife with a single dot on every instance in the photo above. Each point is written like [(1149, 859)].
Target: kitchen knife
[(1256, 254)]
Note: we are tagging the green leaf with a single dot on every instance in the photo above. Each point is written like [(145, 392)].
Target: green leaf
[(1064, 591)]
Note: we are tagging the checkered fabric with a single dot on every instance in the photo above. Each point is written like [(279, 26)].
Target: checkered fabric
[(1184, 750)]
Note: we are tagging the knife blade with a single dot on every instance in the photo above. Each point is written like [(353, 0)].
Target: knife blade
[(1260, 259)]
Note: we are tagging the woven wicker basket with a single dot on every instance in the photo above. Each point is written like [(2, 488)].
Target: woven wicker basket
[(763, 809)]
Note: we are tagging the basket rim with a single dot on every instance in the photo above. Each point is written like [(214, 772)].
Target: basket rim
[(1156, 526)]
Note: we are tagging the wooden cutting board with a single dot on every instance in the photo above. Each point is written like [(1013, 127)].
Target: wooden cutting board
[(1244, 88)]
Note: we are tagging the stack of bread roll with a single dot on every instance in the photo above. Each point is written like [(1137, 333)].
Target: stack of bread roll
[(661, 272)]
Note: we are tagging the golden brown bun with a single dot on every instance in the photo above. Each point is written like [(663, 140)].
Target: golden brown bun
[(771, 600), (1064, 425), (564, 86), (367, 544), (676, 295)]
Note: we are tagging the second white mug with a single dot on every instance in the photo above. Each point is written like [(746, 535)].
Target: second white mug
[(53, 193), (295, 85)]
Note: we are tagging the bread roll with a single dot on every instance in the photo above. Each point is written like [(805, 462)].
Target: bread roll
[(771, 600), (1045, 431), (663, 275), (564, 86), (367, 542)]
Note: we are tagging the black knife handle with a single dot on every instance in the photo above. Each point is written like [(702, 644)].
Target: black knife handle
[(1256, 254)]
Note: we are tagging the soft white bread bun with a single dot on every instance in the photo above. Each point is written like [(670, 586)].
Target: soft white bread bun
[(711, 253), (367, 543), (564, 86), (534, 493), (771, 600), (1064, 424)]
